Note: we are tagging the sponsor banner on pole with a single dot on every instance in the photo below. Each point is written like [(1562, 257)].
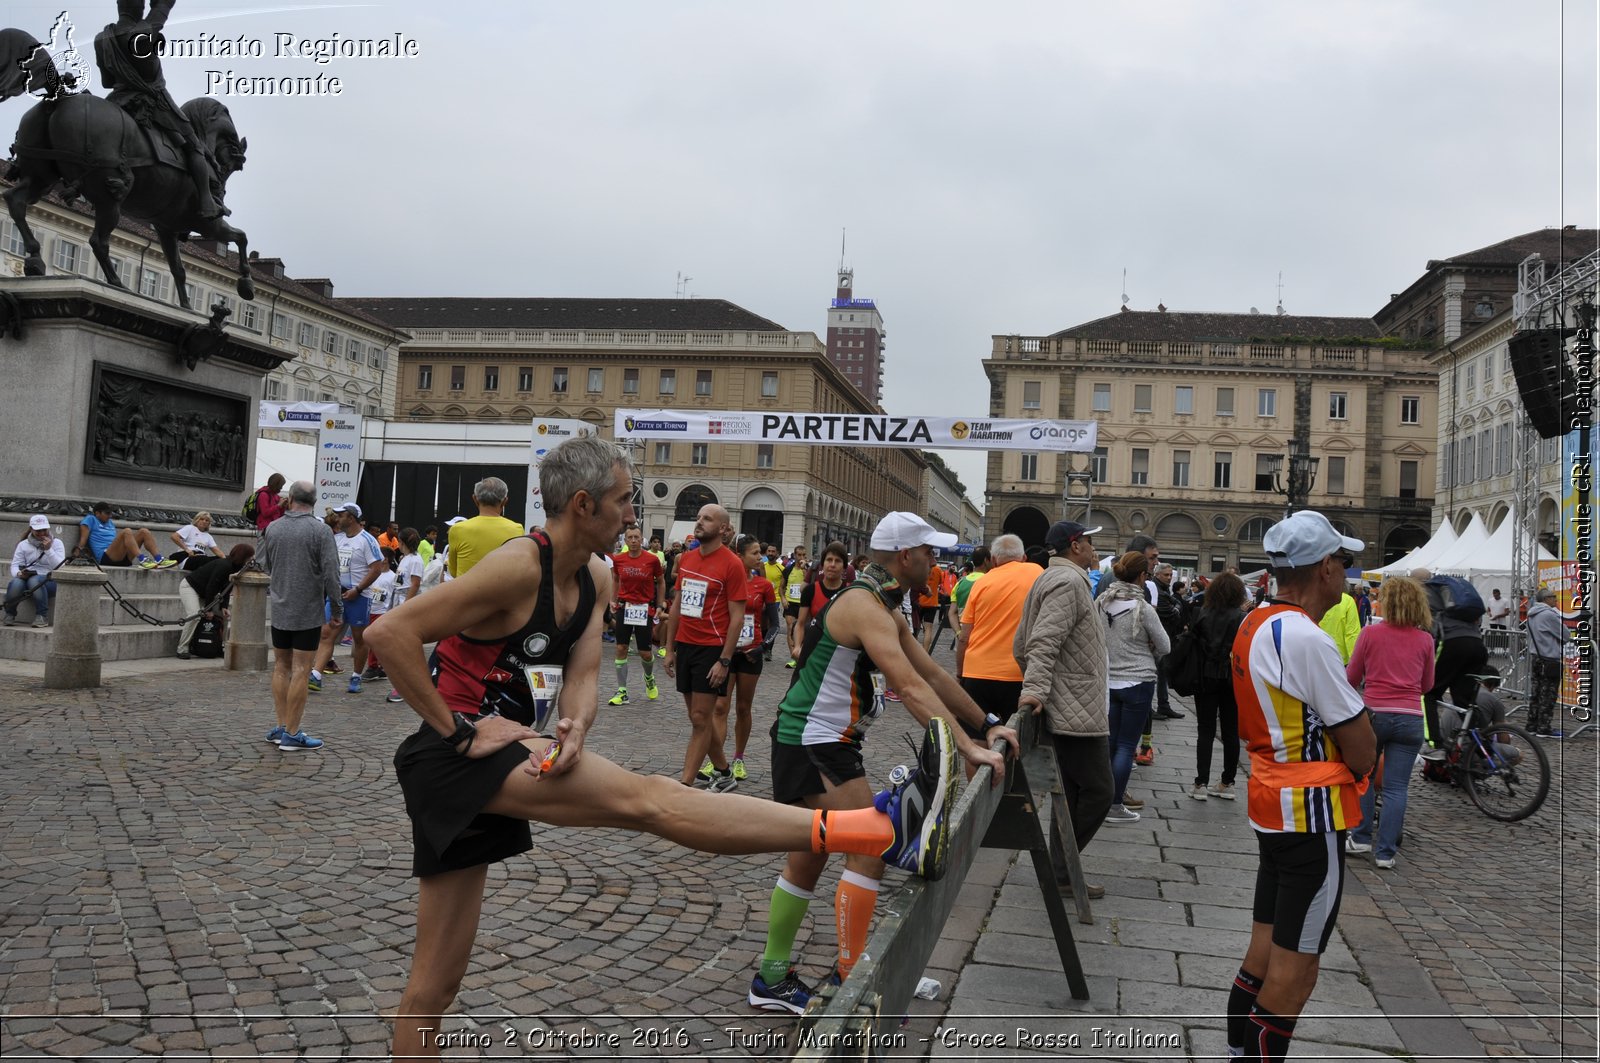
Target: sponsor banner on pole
[(1567, 579), (857, 430), (297, 416), (548, 433), (338, 459)]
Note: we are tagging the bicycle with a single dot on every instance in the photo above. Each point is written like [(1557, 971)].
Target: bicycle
[(1501, 766)]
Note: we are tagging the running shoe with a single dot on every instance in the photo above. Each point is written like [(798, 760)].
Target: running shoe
[(707, 770), (738, 769), (374, 673), (651, 691), (723, 782), (332, 668), (1121, 815), (1355, 848), (1223, 790), (348, 640), (920, 807), (1432, 753), (1198, 792), (162, 562), (355, 685), (1383, 864), (1145, 757), (276, 734), (662, 652), (395, 697), (41, 621), (299, 741), (790, 994), (790, 664), (145, 562), (620, 698), (314, 684), (1130, 801)]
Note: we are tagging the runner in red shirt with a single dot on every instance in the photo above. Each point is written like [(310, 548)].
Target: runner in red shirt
[(702, 632), (759, 593), (641, 590)]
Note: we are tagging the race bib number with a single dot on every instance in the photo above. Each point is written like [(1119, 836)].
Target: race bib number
[(796, 590), (635, 614), (747, 630), (379, 596), (544, 680), (692, 597)]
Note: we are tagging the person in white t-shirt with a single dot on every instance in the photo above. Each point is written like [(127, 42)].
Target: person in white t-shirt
[(195, 543)]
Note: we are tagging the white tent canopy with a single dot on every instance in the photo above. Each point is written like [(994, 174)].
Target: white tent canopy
[(296, 461), (1470, 544), (1490, 557), (1442, 540)]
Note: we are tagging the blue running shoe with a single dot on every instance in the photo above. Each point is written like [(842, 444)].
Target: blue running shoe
[(314, 684), (920, 806), (299, 741), (355, 685), (276, 734), (790, 994)]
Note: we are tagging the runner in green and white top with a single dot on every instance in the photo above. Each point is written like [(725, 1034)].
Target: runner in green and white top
[(858, 643)]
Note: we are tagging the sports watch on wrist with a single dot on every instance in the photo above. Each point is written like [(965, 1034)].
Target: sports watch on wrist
[(465, 729)]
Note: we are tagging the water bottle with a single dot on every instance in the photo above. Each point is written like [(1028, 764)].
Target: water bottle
[(899, 774)]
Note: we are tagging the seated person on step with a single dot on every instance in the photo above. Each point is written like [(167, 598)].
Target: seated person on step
[(98, 535)]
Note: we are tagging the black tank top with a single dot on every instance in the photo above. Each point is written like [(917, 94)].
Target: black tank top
[(477, 677)]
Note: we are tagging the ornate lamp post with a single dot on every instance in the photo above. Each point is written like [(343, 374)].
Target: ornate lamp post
[(1294, 483)]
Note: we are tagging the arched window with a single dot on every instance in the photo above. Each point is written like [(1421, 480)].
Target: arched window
[(691, 499), (1255, 528)]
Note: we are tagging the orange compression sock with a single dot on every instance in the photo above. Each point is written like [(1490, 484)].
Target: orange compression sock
[(853, 902), (865, 831)]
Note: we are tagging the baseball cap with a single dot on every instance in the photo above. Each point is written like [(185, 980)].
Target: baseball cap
[(1304, 538), (38, 522), (453, 521), (350, 508), (1064, 532), (902, 531)]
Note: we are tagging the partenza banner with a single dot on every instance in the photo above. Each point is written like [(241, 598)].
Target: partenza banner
[(856, 430)]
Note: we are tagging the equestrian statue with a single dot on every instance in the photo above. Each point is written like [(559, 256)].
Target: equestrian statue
[(135, 152)]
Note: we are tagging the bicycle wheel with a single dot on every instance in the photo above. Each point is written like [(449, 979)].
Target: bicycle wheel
[(1513, 782)]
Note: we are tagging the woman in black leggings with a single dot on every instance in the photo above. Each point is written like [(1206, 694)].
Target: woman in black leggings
[(1214, 629)]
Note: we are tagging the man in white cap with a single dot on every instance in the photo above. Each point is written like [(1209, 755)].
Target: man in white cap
[(857, 647), (360, 564), (37, 555), (1311, 749)]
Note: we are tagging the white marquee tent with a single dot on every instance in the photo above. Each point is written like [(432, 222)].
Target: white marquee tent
[(1442, 540)]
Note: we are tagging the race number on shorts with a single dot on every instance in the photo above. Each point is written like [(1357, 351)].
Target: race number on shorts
[(692, 597)]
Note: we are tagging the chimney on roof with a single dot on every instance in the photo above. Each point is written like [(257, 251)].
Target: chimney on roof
[(1161, 308), (272, 266), (320, 285)]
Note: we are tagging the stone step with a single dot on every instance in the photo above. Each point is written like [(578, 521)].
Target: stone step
[(123, 642), (165, 606)]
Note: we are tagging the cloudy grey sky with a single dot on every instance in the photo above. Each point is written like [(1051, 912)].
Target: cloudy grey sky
[(997, 166)]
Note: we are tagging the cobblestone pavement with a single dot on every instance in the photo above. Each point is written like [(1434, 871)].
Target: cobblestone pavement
[(172, 885)]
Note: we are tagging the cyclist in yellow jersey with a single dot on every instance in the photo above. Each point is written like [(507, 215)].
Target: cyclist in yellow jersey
[(1311, 747)]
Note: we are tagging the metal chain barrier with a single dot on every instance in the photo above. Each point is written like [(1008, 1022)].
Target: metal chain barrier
[(135, 611)]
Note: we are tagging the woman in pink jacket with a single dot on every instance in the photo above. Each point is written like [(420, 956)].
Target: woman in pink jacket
[(1392, 666)]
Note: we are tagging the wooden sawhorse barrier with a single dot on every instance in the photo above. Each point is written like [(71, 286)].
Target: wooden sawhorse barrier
[(848, 1022)]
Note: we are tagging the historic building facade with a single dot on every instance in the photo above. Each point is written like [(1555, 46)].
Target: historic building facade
[(497, 360), (856, 338), (1192, 408), (947, 506), (1464, 305)]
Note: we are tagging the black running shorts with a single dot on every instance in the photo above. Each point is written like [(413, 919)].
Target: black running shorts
[(1298, 886), (798, 771), (692, 665), (305, 639), (445, 793), (641, 635)]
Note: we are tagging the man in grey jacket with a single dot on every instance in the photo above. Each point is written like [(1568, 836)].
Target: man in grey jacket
[(1548, 636), (1061, 645), (298, 552)]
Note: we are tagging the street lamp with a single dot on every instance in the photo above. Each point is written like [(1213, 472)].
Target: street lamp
[(1301, 474)]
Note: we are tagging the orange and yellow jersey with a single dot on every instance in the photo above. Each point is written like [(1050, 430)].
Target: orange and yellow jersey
[(1291, 689)]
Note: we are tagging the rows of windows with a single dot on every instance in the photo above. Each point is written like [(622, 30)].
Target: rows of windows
[(700, 454), (155, 282), (1331, 476), (1183, 401), (1485, 454), (595, 382)]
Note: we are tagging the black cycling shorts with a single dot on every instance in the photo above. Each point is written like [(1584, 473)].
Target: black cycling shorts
[(798, 771), (1298, 886)]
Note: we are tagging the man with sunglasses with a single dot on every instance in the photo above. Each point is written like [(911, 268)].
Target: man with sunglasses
[(1311, 748)]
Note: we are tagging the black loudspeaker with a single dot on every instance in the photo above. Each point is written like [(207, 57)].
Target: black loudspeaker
[(1545, 379)]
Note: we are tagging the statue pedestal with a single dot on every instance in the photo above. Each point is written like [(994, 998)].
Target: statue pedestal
[(99, 406)]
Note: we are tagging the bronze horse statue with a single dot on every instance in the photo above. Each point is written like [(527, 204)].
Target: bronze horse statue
[(94, 149)]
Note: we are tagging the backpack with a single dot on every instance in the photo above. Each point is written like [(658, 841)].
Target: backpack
[(1461, 599), (1184, 667), (207, 638), (252, 506)]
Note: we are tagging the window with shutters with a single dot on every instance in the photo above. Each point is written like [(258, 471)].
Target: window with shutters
[(1141, 467)]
